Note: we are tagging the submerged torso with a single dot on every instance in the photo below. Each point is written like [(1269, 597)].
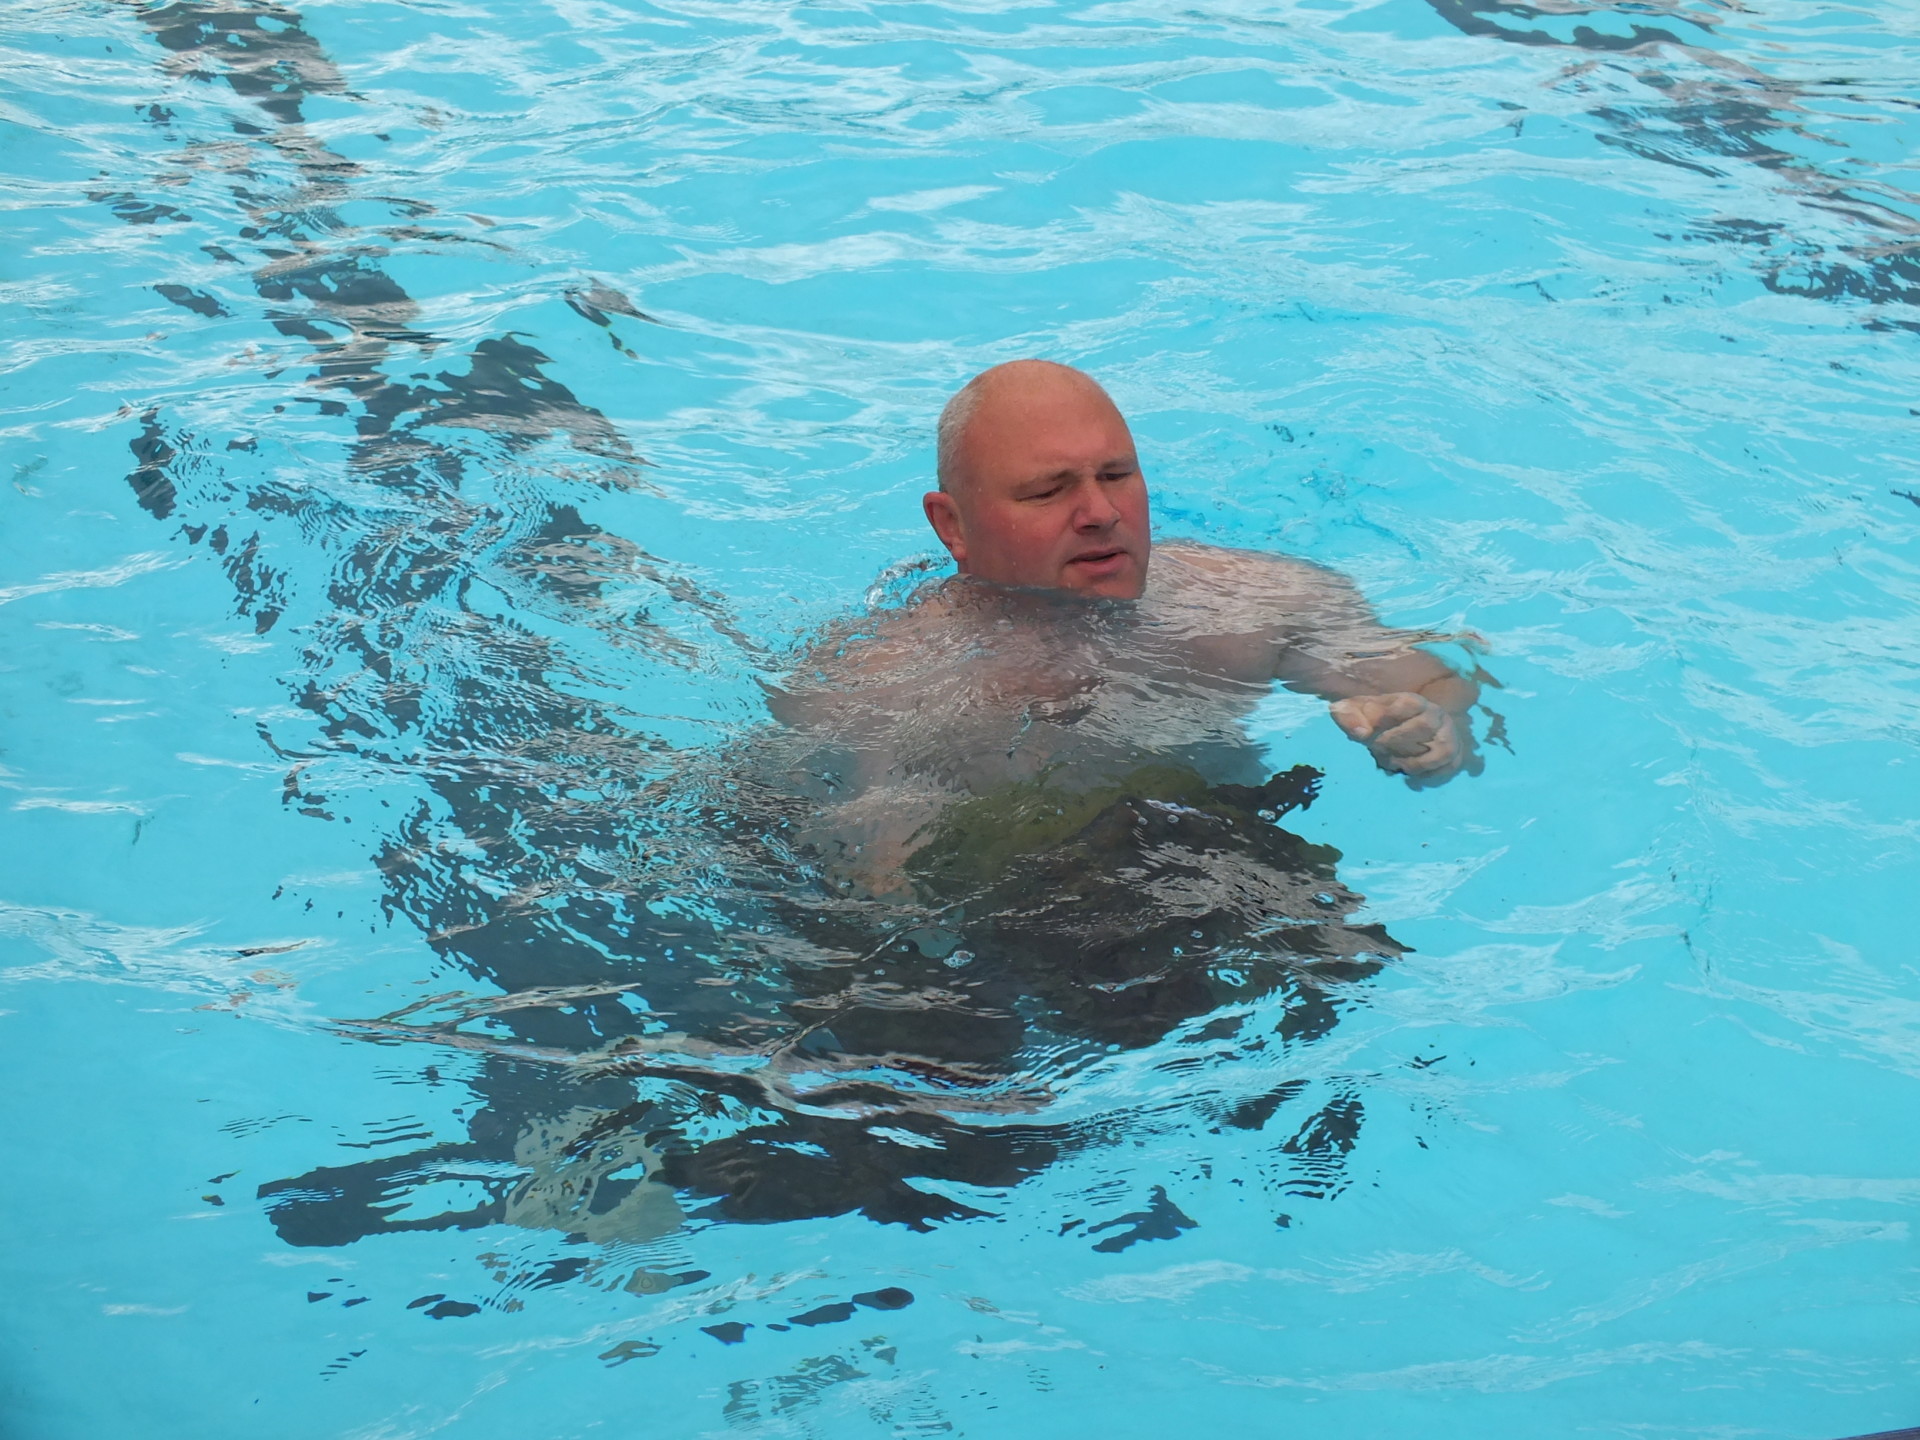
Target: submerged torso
[(973, 690)]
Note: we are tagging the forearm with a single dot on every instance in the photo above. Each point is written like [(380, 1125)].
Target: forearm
[(1403, 703), (1409, 672)]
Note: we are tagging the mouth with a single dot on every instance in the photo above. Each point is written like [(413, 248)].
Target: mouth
[(1100, 562)]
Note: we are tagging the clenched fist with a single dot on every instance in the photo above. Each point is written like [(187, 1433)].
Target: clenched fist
[(1409, 735)]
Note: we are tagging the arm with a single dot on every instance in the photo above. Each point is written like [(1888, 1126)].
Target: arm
[(1421, 730), (841, 712), (1403, 703)]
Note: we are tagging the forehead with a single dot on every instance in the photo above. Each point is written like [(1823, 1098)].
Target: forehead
[(1057, 422)]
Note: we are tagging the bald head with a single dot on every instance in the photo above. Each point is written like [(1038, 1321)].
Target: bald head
[(1039, 484), (996, 397)]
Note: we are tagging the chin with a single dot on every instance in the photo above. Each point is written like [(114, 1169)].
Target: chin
[(1128, 584)]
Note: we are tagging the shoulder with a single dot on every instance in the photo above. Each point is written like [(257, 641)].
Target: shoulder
[(855, 660), (1193, 572)]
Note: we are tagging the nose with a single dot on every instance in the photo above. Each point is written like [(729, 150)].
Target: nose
[(1095, 510)]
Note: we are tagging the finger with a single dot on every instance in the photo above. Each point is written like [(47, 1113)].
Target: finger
[(1443, 753), (1436, 763), (1451, 753), (1354, 717), (1412, 737), (1395, 708), (1364, 716), (1433, 768), (1430, 779)]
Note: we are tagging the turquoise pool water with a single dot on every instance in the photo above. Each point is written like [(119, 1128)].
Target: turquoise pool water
[(426, 426)]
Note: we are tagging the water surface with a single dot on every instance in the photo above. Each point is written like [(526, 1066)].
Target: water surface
[(430, 426)]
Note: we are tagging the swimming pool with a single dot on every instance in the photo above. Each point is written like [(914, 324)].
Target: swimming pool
[(426, 421)]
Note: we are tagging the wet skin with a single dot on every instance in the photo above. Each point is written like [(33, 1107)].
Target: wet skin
[(1049, 493), (1068, 647), (1046, 493)]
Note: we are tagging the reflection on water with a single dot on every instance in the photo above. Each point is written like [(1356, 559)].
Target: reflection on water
[(1714, 111)]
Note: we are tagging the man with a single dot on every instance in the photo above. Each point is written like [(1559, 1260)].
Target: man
[(1015, 816), (1040, 487), (1071, 651)]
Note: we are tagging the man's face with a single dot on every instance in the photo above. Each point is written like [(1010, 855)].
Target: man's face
[(1052, 496)]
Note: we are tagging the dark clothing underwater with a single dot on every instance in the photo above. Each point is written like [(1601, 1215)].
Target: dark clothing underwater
[(1096, 919)]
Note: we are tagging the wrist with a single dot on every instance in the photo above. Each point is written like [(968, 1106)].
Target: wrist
[(1453, 693)]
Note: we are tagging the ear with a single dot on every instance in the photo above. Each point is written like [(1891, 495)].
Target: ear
[(944, 516)]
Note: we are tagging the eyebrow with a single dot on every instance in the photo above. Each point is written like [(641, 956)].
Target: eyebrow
[(1131, 462)]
